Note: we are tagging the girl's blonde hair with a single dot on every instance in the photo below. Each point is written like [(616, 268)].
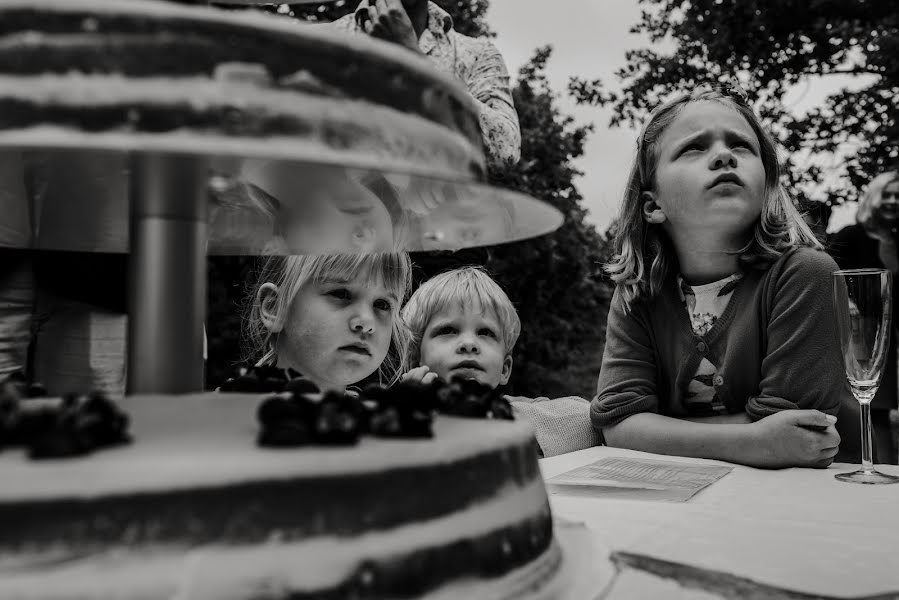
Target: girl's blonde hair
[(290, 273), (460, 287), (643, 251), (865, 213)]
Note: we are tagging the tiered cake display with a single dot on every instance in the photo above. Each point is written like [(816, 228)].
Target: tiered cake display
[(193, 508)]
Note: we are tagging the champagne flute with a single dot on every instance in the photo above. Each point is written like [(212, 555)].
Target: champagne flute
[(863, 306)]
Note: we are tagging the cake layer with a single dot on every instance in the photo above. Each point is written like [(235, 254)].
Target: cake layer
[(483, 542), (193, 502), (220, 118), (282, 64), (194, 475)]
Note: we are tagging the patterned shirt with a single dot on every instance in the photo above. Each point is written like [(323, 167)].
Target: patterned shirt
[(477, 63), (704, 304)]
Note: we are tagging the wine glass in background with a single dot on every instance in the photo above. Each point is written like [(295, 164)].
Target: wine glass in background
[(863, 306)]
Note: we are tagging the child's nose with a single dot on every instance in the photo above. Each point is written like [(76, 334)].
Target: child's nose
[(469, 345), (363, 322), (723, 158)]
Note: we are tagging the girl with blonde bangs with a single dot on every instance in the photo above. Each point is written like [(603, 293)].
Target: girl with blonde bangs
[(333, 318), (721, 339)]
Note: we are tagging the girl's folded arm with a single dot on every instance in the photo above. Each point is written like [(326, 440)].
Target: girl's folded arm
[(651, 432), (802, 367), (627, 377)]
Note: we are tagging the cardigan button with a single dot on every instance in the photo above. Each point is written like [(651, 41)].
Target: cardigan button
[(718, 380), (702, 347)]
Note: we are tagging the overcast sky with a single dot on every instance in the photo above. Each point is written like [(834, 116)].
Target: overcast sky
[(589, 38)]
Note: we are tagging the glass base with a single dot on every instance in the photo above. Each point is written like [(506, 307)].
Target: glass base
[(870, 477)]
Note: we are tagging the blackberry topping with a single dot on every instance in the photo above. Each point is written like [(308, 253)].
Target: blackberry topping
[(284, 435), (469, 398), (405, 410), (83, 423), (338, 419), (71, 426), (301, 415)]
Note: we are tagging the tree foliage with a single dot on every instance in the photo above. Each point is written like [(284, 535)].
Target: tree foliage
[(766, 47), (556, 281)]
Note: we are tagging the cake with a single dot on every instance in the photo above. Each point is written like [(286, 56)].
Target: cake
[(194, 509), (145, 75)]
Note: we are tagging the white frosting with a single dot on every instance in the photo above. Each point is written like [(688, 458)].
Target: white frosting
[(206, 440), (216, 572)]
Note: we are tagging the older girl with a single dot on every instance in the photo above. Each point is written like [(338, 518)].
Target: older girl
[(721, 337)]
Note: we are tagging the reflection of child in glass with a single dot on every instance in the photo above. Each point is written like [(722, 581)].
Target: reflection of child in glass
[(873, 242), (318, 209), (464, 326), (333, 318), (721, 339)]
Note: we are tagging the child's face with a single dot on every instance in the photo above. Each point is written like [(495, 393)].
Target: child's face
[(337, 215), (466, 341), (887, 205), (710, 174), (337, 333), (465, 221)]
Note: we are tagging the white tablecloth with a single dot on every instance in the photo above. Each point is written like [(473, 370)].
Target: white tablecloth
[(768, 533)]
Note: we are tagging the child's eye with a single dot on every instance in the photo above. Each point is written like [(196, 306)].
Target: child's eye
[(695, 146), (340, 293), (384, 305), (445, 330), (486, 331)]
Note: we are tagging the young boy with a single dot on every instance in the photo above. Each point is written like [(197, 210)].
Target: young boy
[(464, 325)]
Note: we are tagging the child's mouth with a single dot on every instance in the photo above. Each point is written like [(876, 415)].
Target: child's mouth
[(467, 365), (360, 350)]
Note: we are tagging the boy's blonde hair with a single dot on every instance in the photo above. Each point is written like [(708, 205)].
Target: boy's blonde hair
[(465, 286), (290, 273), (643, 251)]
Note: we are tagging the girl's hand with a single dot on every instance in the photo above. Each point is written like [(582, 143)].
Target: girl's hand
[(797, 438), (422, 375)]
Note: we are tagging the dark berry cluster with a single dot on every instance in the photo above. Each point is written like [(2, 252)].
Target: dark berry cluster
[(404, 410), (54, 428), (469, 398), (299, 413), (259, 379)]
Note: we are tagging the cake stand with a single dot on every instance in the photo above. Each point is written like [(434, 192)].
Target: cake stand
[(184, 101)]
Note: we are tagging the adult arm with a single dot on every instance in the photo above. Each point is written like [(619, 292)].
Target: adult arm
[(489, 84)]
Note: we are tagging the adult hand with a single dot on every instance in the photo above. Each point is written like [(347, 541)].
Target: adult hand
[(797, 438), (422, 375), (387, 20)]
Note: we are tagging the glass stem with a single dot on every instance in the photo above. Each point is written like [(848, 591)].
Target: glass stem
[(867, 443)]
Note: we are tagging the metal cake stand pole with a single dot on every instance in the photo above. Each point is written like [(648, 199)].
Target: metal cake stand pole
[(167, 273)]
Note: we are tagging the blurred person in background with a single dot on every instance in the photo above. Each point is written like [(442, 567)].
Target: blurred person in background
[(873, 242)]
